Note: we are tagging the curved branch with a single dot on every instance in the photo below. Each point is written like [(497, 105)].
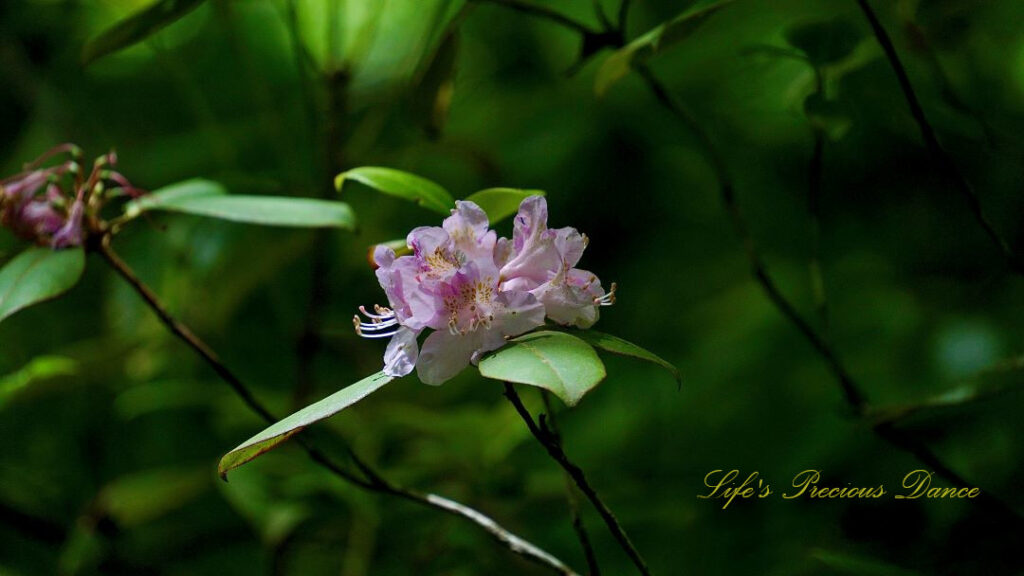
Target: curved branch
[(942, 158), (558, 455), (570, 495), (541, 12), (374, 482), (854, 397)]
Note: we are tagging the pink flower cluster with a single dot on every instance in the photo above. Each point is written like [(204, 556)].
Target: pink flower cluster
[(475, 290)]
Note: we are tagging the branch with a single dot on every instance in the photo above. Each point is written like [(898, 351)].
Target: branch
[(570, 493), (541, 12), (854, 396), (375, 482), (558, 454), (852, 393), (942, 158)]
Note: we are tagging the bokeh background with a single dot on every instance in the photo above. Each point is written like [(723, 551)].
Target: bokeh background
[(108, 453)]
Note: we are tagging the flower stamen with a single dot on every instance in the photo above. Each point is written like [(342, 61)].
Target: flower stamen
[(608, 299), (379, 324)]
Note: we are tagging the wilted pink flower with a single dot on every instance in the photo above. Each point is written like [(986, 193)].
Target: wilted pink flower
[(29, 214), (476, 291), (45, 206)]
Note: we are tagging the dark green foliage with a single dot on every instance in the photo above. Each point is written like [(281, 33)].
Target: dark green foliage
[(111, 429)]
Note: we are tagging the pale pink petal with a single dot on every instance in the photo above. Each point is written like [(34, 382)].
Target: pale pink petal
[(521, 312), (444, 355), (530, 222), (569, 298), (428, 240), (570, 245), (536, 256), (414, 306), (401, 354), (467, 221), (383, 256), (502, 252)]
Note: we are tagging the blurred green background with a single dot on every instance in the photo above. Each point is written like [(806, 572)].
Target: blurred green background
[(108, 454)]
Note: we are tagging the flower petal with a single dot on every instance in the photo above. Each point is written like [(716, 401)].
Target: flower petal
[(383, 256), (530, 222), (535, 255), (414, 306), (568, 298), (522, 312), (427, 240), (401, 354), (570, 245), (444, 355)]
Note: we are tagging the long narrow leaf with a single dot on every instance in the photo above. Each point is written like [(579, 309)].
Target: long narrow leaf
[(400, 184), (277, 434), (205, 198), (137, 27)]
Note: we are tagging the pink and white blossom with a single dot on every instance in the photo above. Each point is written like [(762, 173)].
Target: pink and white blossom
[(475, 291)]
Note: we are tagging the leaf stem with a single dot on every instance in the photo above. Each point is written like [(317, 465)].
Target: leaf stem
[(554, 448), (940, 155), (374, 482)]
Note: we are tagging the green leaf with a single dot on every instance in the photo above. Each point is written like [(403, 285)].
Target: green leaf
[(40, 368), (137, 27), (620, 347), (205, 198), (180, 192), (825, 42), (36, 275), (667, 34), (555, 361), (281, 431), (402, 185), (500, 203)]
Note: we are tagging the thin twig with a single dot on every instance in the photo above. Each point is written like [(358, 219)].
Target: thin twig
[(854, 396), (570, 493), (941, 156), (542, 12), (375, 482), (558, 455)]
